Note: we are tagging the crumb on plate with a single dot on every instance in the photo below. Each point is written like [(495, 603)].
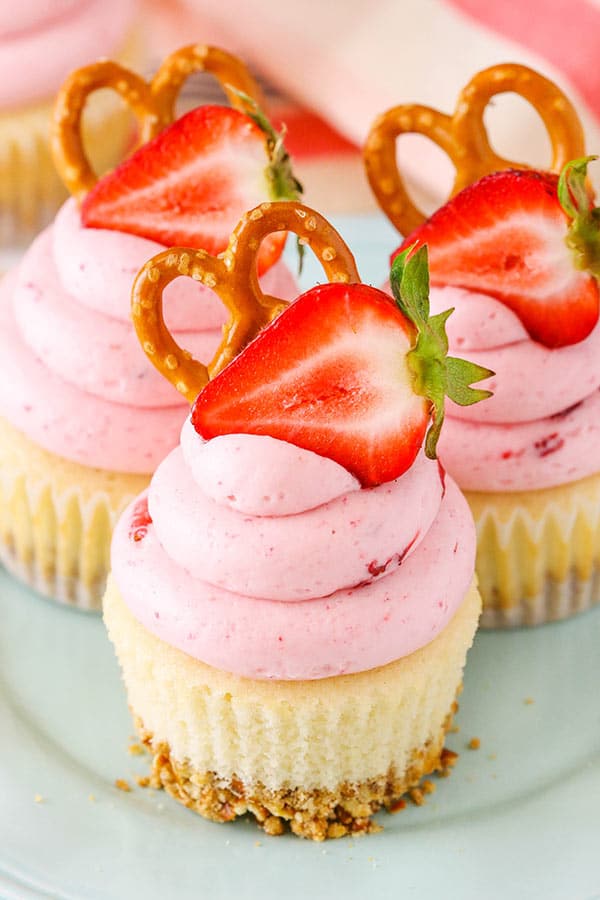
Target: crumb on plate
[(135, 749)]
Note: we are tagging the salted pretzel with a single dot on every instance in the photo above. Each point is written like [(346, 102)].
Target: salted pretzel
[(463, 136), (232, 275), (152, 103)]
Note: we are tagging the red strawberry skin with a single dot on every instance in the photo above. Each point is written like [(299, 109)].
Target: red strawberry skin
[(505, 236), (190, 185), (330, 375)]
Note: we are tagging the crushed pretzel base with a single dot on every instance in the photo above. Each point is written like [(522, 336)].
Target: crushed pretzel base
[(315, 814), (321, 755)]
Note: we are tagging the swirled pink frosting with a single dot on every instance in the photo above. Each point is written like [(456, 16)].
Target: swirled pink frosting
[(78, 383), (268, 561), (41, 41), (542, 426)]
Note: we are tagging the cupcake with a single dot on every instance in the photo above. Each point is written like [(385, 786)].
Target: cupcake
[(516, 255), (292, 599), (84, 418), (40, 43)]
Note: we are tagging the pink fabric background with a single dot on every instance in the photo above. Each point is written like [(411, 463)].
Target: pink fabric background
[(350, 59)]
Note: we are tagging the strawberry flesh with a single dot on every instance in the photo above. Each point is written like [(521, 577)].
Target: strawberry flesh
[(329, 375), (190, 185), (506, 236)]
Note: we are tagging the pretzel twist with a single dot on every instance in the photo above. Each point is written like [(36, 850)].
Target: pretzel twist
[(233, 277), (463, 136), (230, 72), (69, 155), (152, 103)]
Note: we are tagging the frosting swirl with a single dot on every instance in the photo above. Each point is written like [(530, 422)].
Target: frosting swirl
[(541, 428), (274, 563), (85, 389)]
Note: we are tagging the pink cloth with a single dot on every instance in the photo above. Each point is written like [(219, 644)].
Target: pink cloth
[(41, 42), (349, 60)]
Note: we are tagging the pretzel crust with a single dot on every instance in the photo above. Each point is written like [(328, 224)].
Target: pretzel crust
[(233, 277), (152, 103), (463, 136)]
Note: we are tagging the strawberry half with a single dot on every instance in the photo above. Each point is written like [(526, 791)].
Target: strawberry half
[(348, 374), (528, 239), (191, 184)]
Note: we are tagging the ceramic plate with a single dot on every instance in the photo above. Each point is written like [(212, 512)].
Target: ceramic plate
[(518, 818)]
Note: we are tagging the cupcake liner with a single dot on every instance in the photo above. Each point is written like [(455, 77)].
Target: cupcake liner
[(224, 745), (30, 188), (316, 814), (538, 553), (56, 519)]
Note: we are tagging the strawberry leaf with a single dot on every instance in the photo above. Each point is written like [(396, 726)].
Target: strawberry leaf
[(460, 375), (583, 236), (435, 374), (437, 324), (435, 429), (409, 278), (572, 192)]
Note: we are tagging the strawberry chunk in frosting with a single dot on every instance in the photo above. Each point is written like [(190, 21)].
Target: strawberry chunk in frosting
[(275, 564)]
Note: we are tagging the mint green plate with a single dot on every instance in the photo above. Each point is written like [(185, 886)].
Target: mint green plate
[(518, 818)]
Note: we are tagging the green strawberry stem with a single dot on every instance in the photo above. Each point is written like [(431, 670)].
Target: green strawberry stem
[(583, 237), (436, 375), (283, 183)]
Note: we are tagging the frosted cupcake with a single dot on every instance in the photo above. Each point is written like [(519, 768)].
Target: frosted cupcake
[(40, 43), (517, 255), (84, 418), (291, 645)]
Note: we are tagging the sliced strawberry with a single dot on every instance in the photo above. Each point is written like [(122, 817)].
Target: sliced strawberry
[(191, 184), (336, 374), (507, 236)]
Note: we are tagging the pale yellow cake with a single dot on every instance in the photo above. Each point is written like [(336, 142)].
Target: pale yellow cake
[(57, 518), (538, 552), (323, 755)]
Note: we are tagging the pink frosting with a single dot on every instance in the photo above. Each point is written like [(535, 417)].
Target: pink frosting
[(99, 256), (239, 474), (531, 381), (542, 427), (313, 583), (342, 540), (85, 389), (41, 41), (557, 449)]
